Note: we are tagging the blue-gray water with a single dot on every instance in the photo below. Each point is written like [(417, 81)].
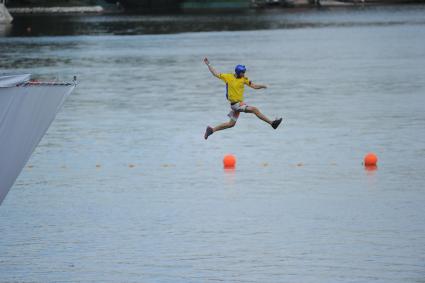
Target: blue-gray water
[(123, 187)]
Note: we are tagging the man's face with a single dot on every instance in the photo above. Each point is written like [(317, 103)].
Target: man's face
[(241, 75)]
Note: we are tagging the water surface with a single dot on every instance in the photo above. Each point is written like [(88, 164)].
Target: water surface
[(123, 187)]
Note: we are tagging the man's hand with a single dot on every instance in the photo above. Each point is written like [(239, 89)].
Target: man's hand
[(206, 61)]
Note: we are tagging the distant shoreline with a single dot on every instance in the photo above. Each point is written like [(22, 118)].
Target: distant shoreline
[(295, 4), (57, 10)]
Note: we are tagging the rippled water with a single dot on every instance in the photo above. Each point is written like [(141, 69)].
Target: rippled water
[(123, 187)]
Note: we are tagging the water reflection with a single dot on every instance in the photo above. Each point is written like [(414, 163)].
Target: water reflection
[(5, 29), (371, 170), (229, 176)]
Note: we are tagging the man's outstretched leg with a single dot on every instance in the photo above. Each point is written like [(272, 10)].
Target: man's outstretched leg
[(256, 111), (209, 131)]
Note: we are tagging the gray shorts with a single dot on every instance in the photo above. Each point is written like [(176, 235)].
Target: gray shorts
[(237, 108)]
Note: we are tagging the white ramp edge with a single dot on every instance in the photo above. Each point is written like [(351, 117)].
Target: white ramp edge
[(5, 17), (26, 111)]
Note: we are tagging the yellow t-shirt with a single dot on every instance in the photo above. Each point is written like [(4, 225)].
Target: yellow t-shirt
[(234, 87)]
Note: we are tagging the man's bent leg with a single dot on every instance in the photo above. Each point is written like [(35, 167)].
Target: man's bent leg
[(256, 111), (225, 125), (209, 131)]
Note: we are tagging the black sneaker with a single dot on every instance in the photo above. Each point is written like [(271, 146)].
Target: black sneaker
[(208, 132), (276, 123)]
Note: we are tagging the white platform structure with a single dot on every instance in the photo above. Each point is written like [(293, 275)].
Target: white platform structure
[(27, 108), (5, 17)]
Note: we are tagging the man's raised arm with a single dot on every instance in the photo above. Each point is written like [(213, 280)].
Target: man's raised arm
[(257, 86), (212, 70)]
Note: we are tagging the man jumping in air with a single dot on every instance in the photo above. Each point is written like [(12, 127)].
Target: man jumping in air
[(234, 94)]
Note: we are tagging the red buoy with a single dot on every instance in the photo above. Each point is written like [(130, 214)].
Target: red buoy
[(229, 161), (370, 159)]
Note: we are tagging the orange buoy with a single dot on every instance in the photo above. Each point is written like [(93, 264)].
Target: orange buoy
[(229, 161), (370, 159)]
